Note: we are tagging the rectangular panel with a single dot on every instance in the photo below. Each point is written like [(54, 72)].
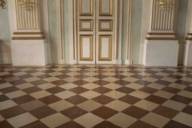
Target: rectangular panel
[(105, 47), (86, 48), (28, 20), (105, 7), (86, 7), (86, 25), (105, 25)]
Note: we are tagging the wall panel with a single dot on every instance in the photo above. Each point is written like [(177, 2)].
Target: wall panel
[(28, 19)]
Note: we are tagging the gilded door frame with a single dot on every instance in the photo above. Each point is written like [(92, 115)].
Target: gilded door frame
[(128, 51)]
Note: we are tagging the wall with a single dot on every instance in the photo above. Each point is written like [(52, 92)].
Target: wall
[(139, 29), (5, 52)]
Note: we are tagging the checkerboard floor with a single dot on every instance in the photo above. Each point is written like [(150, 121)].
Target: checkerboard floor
[(81, 96)]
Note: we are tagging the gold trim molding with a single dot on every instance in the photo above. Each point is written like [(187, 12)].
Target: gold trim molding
[(28, 20), (28, 38), (189, 36), (28, 33), (161, 36), (106, 21), (84, 29)]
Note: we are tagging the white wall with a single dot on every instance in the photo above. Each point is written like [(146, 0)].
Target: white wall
[(188, 54), (28, 53), (161, 53)]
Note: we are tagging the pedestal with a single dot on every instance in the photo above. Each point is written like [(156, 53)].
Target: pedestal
[(160, 53), (28, 52)]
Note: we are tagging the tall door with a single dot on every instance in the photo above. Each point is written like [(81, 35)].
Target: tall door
[(96, 26)]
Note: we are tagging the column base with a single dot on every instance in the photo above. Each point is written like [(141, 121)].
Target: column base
[(161, 53)]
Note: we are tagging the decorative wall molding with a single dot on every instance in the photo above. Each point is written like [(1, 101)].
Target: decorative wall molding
[(163, 21), (189, 36), (27, 33), (26, 23), (161, 36), (28, 19), (28, 38)]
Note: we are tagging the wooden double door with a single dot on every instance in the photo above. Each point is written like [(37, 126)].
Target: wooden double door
[(96, 31)]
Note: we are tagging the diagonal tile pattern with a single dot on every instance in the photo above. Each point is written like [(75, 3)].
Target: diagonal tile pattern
[(95, 96)]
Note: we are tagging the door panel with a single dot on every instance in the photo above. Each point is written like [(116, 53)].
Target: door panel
[(86, 48), (86, 25), (105, 48), (105, 25), (96, 22), (105, 7), (106, 31), (86, 7), (86, 31)]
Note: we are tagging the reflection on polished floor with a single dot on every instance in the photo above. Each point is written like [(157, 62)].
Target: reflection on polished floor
[(92, 96)]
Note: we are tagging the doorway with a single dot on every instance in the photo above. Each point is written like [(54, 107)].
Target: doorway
[(96, 31)]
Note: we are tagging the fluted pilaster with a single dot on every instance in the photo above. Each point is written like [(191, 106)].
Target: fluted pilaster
[(163, 19), (26, 18)]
